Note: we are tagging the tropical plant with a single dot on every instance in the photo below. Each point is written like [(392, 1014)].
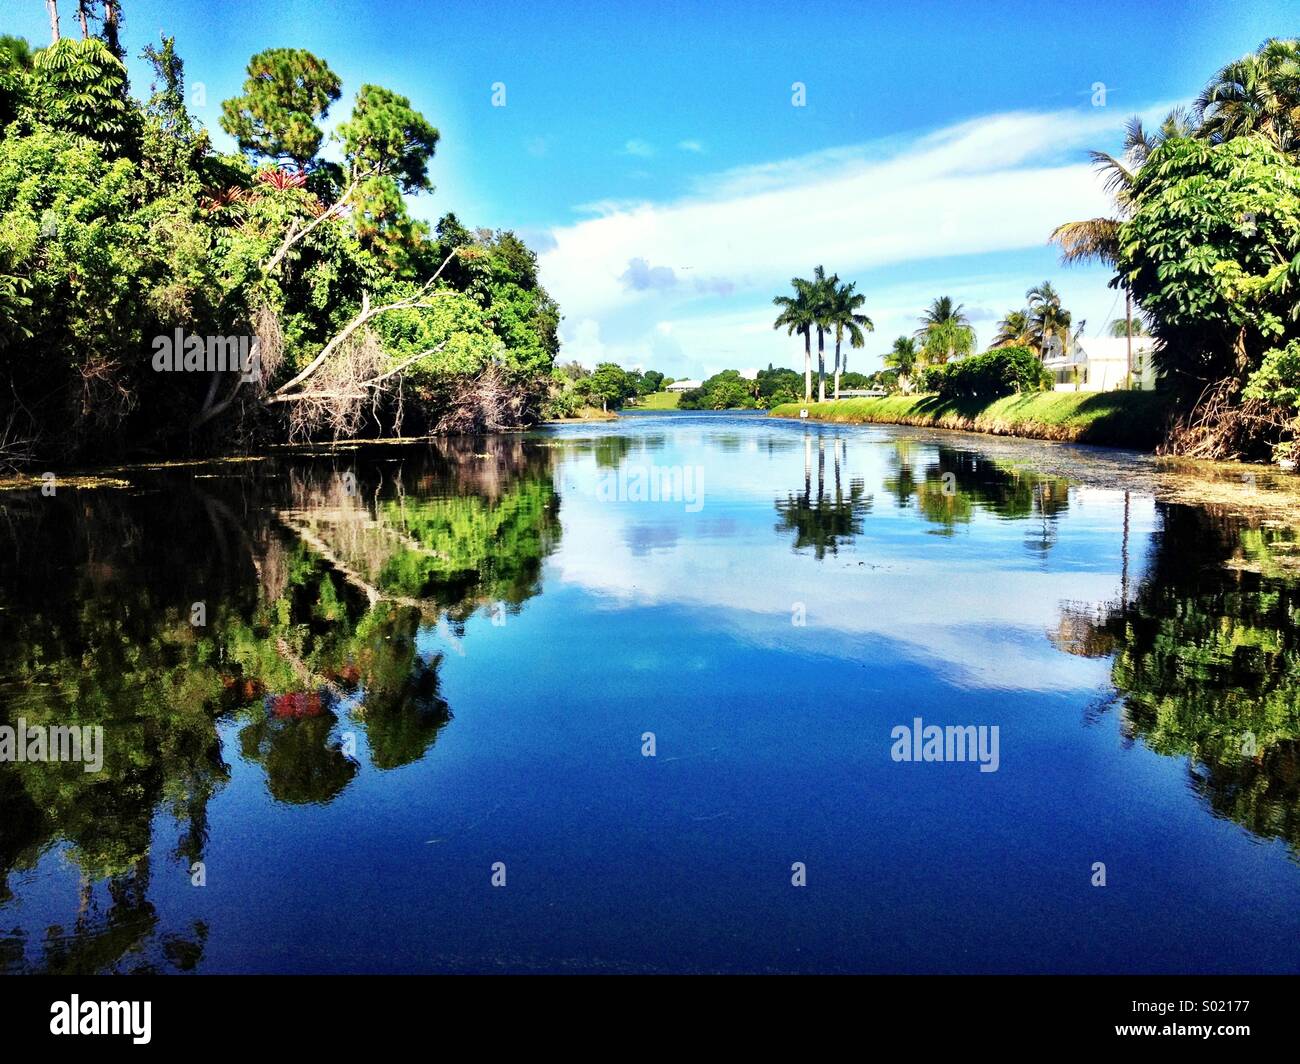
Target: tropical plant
[(1049, 322), (799, 315), (823, 299), (1210, 253), (1016, 329), (903, 357), (1256, 94), (81, 86), (1133, 326), (844, 317), (945, 332), (1097, 239)]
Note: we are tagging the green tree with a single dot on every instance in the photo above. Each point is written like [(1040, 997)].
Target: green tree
[(1210, 253), (15, 65), (1049, 321), (945, 332), (823, 295), (386, 134), (903, 357), (799, 315), (844, 317), (1014, 330), (1256, 94), (1121, 327), (609, 384), (1097, 239), (81, 86), (288, 90)]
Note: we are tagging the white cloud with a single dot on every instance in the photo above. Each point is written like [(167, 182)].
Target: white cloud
[(996, 184), (639, 148), (693, 146)]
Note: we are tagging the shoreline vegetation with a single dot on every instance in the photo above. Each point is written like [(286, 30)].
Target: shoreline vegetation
[(161, 298), (1133, 420)]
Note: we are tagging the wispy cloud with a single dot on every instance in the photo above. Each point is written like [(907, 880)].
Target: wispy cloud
[(995, 184), (693, 146), (639, 148)]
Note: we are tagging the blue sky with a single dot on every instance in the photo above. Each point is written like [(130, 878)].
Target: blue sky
[(653, 157)]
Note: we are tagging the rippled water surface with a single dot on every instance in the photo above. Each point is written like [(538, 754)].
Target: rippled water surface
[(422, 668)]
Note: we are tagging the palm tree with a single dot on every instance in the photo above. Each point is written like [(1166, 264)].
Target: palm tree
[(844, 316), (1258, 93), (902, 357), (1129, 327), (1097, 239), (1015, 330), (823, 299), (799, 315), (945, 331), (1047, 318)]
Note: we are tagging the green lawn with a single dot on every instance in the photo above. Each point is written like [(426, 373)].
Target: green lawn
[(1114, 419), (659, 401)]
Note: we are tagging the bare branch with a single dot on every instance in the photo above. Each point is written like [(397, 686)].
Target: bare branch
[(419, 299), (335, 210)]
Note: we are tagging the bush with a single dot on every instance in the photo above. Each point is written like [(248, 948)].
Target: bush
[(992, 375)]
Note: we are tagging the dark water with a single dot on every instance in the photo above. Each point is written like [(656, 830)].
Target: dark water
[(417, 663)]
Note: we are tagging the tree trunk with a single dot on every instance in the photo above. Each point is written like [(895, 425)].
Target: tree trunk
[(1128, 333), (112, 18), (837, 366), (53, 5), (81, 16), (821, 366), (807, 367)]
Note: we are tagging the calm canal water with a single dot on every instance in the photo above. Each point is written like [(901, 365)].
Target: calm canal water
[(419, 669)]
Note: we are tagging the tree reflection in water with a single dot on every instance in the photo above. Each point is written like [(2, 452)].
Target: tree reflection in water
[(832, 517), (954, 484), (1207, 662), (317, 574)]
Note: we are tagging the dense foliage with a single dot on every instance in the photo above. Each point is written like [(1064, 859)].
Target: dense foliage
[(1206, 241), (991, 375), (120, 225)]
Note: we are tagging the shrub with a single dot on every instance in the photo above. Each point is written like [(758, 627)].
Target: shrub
[(992, 375)]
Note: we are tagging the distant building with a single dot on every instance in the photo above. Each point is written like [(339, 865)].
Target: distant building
[(684, 386), (1100, 364)]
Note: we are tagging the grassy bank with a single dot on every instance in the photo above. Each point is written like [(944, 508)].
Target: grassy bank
[(586, 413), (1110, 419), (659, 401)]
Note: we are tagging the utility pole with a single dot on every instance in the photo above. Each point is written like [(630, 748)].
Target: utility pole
[(1128, 333)]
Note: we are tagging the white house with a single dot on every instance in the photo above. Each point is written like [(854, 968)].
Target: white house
[(684, 386), (1100, 364)]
